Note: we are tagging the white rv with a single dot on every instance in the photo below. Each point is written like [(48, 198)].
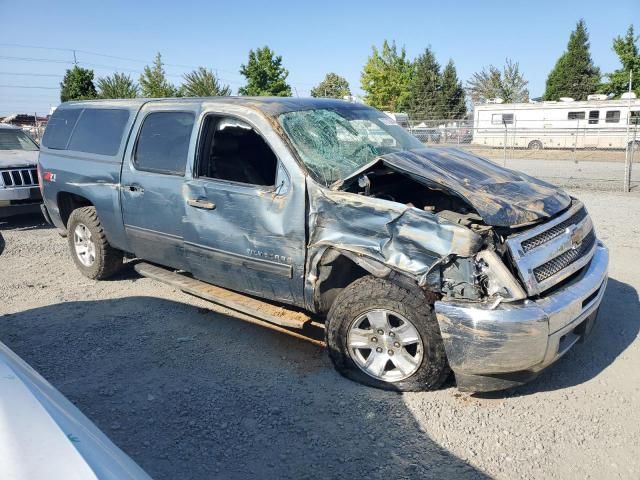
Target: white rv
[(595, 123)]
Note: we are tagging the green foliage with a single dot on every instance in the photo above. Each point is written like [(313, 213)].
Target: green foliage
[(203, 83), (629, 54), (265, 75), (508, 84), (333, 86), (574, 74), (77, 85), (117, 85), (453, 101), (154, 83), (386, 78), (425, 88)]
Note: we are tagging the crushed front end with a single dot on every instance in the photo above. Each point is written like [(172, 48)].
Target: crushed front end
[(528, 299)]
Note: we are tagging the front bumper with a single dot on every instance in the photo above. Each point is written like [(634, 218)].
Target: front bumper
[(492, 349), (19, 200)]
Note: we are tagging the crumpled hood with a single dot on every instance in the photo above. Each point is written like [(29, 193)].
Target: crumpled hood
[(502, 197), (18, 158)]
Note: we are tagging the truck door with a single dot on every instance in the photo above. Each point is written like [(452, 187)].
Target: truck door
[(245, 215), (151, 182)]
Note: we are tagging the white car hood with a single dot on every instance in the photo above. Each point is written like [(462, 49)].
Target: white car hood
[(43, 435), (18, 158)]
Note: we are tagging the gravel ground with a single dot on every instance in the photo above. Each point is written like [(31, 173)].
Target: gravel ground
[(190, 392)]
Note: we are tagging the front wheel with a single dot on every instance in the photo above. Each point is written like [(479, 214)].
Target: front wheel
[(385, 335)]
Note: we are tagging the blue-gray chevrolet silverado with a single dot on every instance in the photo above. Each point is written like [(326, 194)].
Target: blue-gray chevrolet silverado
[(419, 261)]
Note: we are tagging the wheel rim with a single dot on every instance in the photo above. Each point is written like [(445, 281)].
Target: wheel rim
[(84, 246), (385, 345)]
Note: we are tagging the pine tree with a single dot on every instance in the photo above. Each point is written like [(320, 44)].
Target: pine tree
[(452, 96), (386, 78), (154, 83), (77, 85), (265, 75), (574, 74), (629, 54), (333, 86), (117, 85), (203, 83), (425, 87)]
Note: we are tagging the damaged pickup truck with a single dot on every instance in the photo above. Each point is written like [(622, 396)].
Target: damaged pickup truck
[(420, 261)]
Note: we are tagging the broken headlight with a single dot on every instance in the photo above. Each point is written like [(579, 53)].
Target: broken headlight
[(496, 279)]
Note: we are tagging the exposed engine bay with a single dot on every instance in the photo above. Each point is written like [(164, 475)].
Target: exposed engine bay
[(462, 278)]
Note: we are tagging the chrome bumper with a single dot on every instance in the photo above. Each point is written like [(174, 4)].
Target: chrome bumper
[(18, 193), (492, 349)]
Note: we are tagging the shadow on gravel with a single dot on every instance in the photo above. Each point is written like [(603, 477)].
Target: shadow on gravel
[(617, 327), (33, 221), (189, 393)]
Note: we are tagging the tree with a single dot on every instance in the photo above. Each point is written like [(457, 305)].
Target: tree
[(574, 74), (629, 54), (265, 75), (453, 101), (425, 87), (203, 83), (386, 78), (117, 85), (77, 85), (333, 86), (508, 84), (153, 81)]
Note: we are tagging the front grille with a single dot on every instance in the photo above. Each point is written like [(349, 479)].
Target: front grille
[(553, 232), (548, 254), (20, 177), (562, 261)]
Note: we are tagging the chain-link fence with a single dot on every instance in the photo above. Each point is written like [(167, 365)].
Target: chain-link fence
[(584, 156)]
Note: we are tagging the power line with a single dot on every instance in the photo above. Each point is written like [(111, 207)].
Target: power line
[(24, 74), (29, 86)]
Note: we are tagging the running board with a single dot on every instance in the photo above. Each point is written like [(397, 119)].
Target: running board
[(235, 301)]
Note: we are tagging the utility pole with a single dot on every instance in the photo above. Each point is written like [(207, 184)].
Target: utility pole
[(75, 60), (628, 154)]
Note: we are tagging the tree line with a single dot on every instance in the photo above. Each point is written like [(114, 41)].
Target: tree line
[(390, 80)]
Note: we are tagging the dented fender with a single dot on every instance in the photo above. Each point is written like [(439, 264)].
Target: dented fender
[(380, 235)]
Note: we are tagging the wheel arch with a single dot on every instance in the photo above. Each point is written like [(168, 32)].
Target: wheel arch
[(68, 202)]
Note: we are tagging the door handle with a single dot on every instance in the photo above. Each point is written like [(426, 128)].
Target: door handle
[(200, 203), (133, 188)]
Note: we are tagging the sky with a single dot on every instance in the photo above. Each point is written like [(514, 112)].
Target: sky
[(313, 38)]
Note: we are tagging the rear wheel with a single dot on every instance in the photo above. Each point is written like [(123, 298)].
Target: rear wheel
[(535, 145), (386, 335), (90, 250)]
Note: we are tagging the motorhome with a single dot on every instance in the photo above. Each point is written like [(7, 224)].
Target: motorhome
[(595, 123)]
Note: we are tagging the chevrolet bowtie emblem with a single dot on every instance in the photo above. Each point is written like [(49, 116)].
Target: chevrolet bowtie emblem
[(576, 237)]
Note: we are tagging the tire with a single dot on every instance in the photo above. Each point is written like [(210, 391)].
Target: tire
[(101, 260), (371, 297), (535, 145)]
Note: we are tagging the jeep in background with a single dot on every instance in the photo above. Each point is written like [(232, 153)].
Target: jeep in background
[(19, 192), (420, 261)]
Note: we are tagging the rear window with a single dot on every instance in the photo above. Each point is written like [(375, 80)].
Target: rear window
[(99, 131), (59, 128), (163, 143)]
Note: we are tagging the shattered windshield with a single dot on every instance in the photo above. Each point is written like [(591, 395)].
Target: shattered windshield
[(334, 143)]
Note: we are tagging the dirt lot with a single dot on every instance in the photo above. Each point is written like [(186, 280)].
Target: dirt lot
[(193, 393)]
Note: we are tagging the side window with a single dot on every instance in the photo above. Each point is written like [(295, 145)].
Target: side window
[(99, 130), (613, 116), (163, 142), (502, 118), (59, 128), (594, 116), (575, 116), (634, 117), (232, 150)]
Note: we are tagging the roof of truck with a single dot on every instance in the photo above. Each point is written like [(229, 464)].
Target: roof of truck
[(269, 105)]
